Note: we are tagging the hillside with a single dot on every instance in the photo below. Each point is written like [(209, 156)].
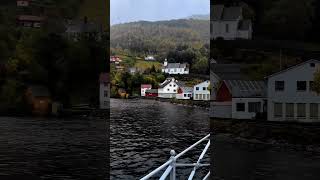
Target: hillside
[(95, 10), (159, 36)]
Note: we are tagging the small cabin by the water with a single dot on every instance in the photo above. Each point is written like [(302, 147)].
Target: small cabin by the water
[(240, 99), (38, 97), (184, 92)]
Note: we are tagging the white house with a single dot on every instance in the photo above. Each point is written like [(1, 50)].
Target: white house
[(228, 23), (175, 68), (239, 99), (144, 88), (168, 89), (184, 92), (290, 94), (104, 92), (149, 58), (202, 91)]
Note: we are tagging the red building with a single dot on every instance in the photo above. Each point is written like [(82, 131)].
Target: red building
[(152, 93)]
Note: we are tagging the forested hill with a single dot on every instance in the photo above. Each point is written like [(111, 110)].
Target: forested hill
[(160, 35)]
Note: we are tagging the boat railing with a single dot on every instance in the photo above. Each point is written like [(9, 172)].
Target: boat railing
[(172, 163)]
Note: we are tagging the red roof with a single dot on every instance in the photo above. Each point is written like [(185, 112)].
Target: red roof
[(30, 18), (146, 86), (104, 78)]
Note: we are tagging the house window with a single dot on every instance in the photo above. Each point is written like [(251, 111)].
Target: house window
[(277, 110), (254, 106), (301, 110), (197, 96), (197, 88), (289, 110), (174, 90), (106, 103), (311, 86), (241, 107), (174, 85), (168, 89), (184, 95), (301, 85), (170, 85), (203, 96), (279, 85), (208, 96), (227, 28), (314, 111), (189, 95), (312, 65), (105, 84), (204, 88), (105, 93)]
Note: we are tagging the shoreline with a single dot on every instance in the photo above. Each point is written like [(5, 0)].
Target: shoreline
[(184, 102), (299, 137)]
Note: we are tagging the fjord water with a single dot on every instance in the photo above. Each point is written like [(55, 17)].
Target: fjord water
[(235, 160), (144, 131), (51, 148)]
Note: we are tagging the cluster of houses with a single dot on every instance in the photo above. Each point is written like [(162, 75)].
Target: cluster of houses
[(287, 95), (228, 23), (172, 88)]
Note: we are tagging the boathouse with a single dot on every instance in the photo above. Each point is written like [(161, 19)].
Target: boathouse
[(38, 97), (240, 99)]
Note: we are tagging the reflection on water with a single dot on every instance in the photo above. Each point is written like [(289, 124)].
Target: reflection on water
[(235, 160), (56, 149), (144, 131)]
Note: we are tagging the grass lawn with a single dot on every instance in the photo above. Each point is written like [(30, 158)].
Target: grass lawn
[(143, 65)]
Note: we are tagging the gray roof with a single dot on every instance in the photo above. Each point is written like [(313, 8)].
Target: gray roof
[(187, 89), (177, 65), (152, 90), (181, 84), (292, 67), (39, 91), (219, 12), (241, 88), (244, 25), (166, 82), (227, 71)]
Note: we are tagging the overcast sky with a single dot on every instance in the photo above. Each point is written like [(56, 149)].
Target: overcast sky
[(153, 10)]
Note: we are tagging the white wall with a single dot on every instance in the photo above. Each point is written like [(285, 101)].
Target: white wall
[(290, 94), (143, 91), (181, 96), (245, 114), (201, 92), (176, 70), (219, 29), (169, 91)]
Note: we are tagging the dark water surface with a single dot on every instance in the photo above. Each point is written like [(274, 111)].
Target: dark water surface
[(35, 148), (144, 131), (235, 160)]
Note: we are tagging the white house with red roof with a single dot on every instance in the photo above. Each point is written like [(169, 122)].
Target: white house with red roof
[(144, 88), (104, 95), (291, 96)]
